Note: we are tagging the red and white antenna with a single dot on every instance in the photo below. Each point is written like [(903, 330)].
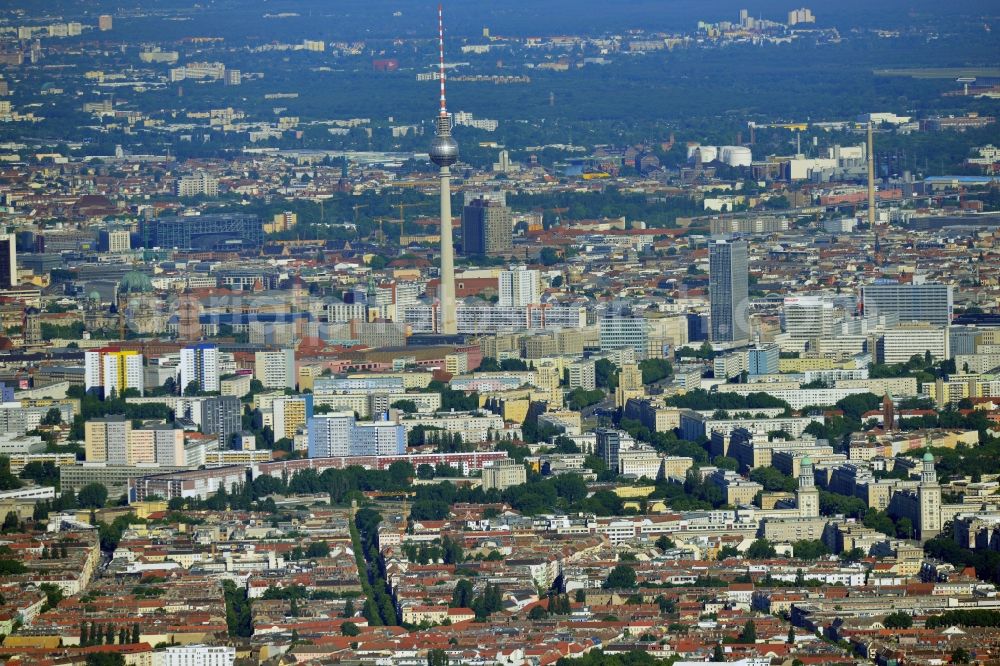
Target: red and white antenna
[(444, 108)]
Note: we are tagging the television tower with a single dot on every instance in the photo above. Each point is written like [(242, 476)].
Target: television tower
[(444, 153), (871, 178), (871, 191)]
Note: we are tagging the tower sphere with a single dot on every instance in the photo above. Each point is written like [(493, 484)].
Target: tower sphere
[(444, 151)]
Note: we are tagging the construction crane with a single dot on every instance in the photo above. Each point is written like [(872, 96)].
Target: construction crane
[(356, 208), (380, 233), (402, 208)]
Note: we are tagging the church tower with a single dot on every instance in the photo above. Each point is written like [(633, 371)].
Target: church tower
[(188, 316), (807, 496), (929, 498)]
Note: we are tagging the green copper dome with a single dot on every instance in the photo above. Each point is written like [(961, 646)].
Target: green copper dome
[(135, 282)]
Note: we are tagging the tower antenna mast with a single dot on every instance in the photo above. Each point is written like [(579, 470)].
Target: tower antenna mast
[(444, 105)]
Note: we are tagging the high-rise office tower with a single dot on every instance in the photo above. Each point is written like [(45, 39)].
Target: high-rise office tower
[(931, 302), (105, 22), (8, 261), (518, 287), (810, 317), (486, 228), (444, 152), (200, 364), (624, 329), (728, 291)]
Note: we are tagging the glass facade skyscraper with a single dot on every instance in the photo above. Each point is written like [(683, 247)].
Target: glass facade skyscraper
[(728, 291)]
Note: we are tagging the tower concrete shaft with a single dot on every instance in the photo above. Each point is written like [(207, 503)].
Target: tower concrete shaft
[(449, 318)]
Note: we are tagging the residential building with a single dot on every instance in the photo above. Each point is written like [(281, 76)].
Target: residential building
[(168, 445), (923, 505), (107, 440), (503, 474), (378, 438), (518, 287), (200, 364), (694, 424), (539, 346), (629, 384), (195, 483), (640, 462), (727, 366), (899, 344), (338, 434), (113, 370), (275, 369), (734, 487), (456, 364), (199, 184), (803, 15), (581, 375), (807, 495), (195, 655), (237, 385), (113, 477), (795, 397), (483, 319), (655, 416), (330, 435), (291, 414), (763, 360)]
